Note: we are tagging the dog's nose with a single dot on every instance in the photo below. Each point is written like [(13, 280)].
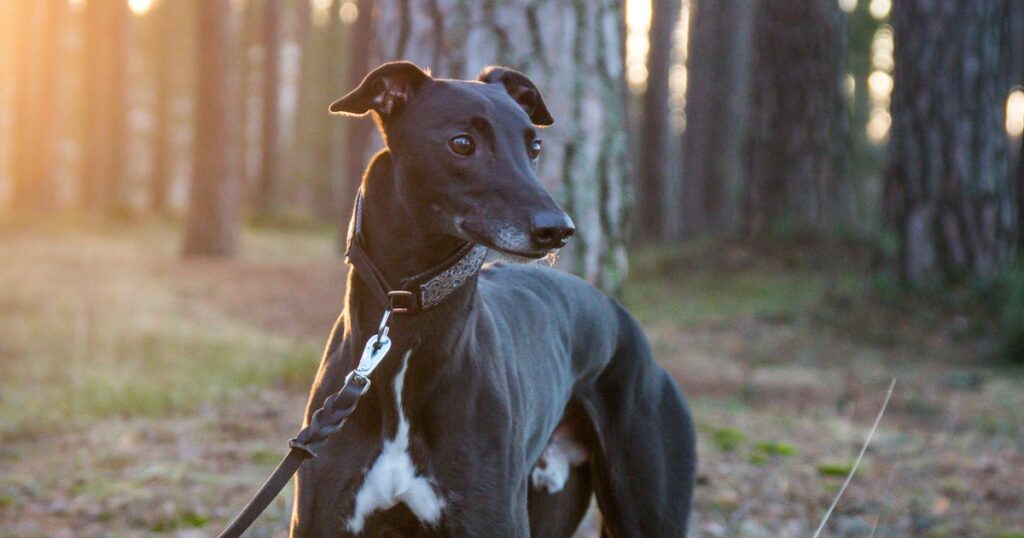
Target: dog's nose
[(551, 229)]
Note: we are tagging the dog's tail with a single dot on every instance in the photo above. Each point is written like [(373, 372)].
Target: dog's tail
[(644, 462)]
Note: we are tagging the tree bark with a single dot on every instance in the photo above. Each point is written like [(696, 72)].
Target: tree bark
[(35, 92), (106, 42), (574, 52), (350, 160), (162, 155), (1013, 53), (717, 112), (654, 130), (1020, 194), (212, 225), (796, 153), (268, 186), (948, 185)]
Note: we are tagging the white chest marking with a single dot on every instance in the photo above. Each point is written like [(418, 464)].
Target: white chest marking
[(393, 478)]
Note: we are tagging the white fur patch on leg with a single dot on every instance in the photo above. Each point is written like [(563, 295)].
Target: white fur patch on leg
[(393, 478), (552, 470)]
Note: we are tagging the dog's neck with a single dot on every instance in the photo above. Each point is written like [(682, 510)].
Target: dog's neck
[(399, 244)]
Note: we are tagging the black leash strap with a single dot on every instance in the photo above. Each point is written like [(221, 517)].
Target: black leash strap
[(326, 420), (439, 281)]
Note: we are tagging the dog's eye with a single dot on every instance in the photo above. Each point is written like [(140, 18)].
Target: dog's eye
[(534, 150), (462, 145)]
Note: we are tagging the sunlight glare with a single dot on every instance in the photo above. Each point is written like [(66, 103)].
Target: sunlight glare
[(878, 126), (880, 86), (638, 14), (677, 80), (1015, 113), (678, 76), (348, 12), (638, 25), (321, 11), (850, 86), (882, 49), (880, 8), (140, 7), (636, 75)]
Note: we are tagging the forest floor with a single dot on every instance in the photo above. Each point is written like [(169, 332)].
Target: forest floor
[(145, 395)]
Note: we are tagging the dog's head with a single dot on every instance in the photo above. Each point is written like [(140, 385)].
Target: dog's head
[(466, 152)]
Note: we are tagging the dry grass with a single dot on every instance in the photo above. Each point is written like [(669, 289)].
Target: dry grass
[(96, 323), (142, 395)]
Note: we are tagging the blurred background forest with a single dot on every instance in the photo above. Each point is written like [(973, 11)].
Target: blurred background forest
[(799, 200)]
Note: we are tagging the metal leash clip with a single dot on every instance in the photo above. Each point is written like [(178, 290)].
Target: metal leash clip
[(374, 351)]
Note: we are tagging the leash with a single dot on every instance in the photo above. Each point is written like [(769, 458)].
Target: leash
[(419, 292), (325, 421)]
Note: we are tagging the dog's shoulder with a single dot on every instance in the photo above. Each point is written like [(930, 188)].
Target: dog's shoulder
[(546, 285)]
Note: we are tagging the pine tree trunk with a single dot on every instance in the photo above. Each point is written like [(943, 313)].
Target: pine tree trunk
[(1013, 52), (350, 160), (796, 156), (106, 42), (268, 186), (717, 111), (36, 53), (574, 52), (211, 228), (948, 186), (653, 172), (1020, 194), (294, 172), (162, 155)]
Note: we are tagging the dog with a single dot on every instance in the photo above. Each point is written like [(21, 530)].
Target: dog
[(511, 394)]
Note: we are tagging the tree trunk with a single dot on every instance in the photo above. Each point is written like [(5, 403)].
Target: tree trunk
[(1020, 194), (35, 80), (654, 130), (717, 112), (350, 161), (574, 52), (211, 229), (328, 146), (796, 156), (162, 154), (1013, 53), (303, 88), (106, 42), (1014, 57), (268, 186), (948, 184)]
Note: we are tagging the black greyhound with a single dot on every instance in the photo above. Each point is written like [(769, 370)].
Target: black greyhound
[(510, 394)]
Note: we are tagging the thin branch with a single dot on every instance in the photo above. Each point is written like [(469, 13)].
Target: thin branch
[(856, 464), (885, 496)]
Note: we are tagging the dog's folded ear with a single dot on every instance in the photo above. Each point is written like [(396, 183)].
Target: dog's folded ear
[(522, 90), (385, 90)]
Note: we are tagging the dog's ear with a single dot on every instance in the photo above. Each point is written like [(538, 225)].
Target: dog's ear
[(385, 90), (522, 90)]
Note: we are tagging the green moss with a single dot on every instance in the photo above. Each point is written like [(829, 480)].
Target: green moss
[(728, 439), (186, 520), (833, 469), (772, 448)]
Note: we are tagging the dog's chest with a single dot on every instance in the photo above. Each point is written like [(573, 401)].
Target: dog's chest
[(393, 478)]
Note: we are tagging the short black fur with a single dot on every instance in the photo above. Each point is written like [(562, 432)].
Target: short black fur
[(494, 368)]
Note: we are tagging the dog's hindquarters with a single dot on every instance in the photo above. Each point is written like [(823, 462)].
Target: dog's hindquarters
[(644, 462)]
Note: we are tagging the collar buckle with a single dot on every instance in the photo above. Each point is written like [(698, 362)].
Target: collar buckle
[(401, 301)]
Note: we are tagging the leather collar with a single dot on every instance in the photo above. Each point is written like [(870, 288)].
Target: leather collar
[(418, 292)]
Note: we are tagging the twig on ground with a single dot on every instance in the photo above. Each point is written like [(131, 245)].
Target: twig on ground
[(885, 496), (856, 464)]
